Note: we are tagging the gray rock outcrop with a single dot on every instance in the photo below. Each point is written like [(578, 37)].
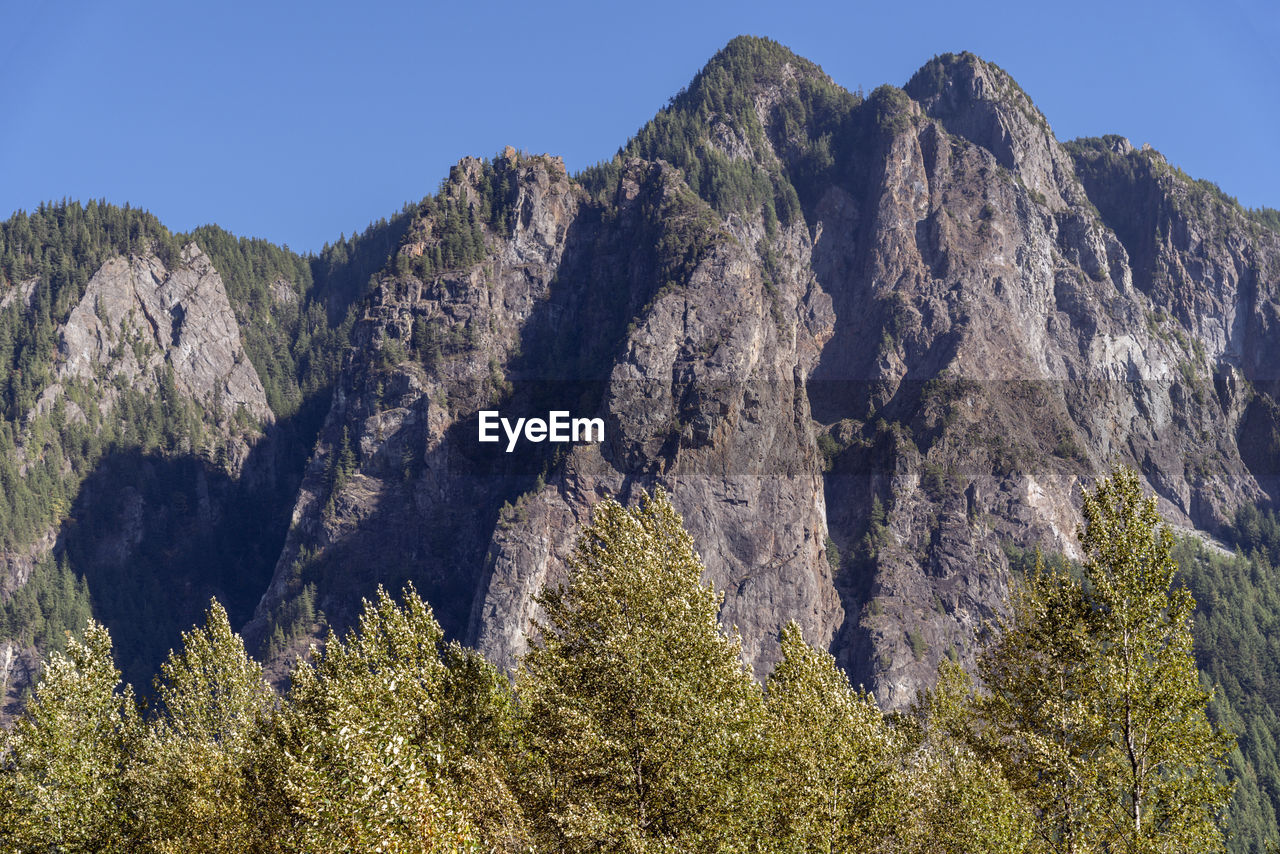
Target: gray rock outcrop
[(136, 317)]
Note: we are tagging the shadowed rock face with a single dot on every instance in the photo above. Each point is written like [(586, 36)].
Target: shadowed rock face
[(705, 396), (969, 314), (1024, 357), (699, 380), (136, 323)]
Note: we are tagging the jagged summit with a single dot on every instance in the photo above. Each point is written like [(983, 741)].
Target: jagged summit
[(747, 65), (979, 101), (950, 82), (746, 132)]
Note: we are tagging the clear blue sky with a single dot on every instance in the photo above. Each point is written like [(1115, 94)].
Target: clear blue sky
[(299, 121)]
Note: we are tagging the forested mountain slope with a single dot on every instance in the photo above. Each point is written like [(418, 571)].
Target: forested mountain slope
[(160, 396)]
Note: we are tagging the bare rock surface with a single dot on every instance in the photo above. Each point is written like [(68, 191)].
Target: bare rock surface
[(142, 334), (699, 380), (137, 316)]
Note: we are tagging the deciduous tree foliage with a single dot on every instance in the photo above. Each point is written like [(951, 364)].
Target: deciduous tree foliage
[(191, 782), (955, 801), (1042, 728), (61, 788), (1095, 705), (836, 761), (642, 723), (362, 763), (633, 725)]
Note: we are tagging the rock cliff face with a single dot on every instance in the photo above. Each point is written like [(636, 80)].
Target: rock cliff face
[(180, 318), (874, 347), (143, 339), (1019, 359), (1021, 356), (644, 310), (864, 402), (138, 327), (705, 396)]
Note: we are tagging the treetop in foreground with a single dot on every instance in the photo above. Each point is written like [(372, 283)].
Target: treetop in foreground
[(1094, 705), (634, 725)]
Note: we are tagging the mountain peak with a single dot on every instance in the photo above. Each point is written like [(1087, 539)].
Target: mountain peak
[(981, 102), (750, 59), (745, 73), (754, 110), (951, 85), (950, 79)]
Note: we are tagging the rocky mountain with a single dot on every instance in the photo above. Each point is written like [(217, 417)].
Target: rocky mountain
[(901, 325), (140, 332), (873, 346), (142, 448)]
